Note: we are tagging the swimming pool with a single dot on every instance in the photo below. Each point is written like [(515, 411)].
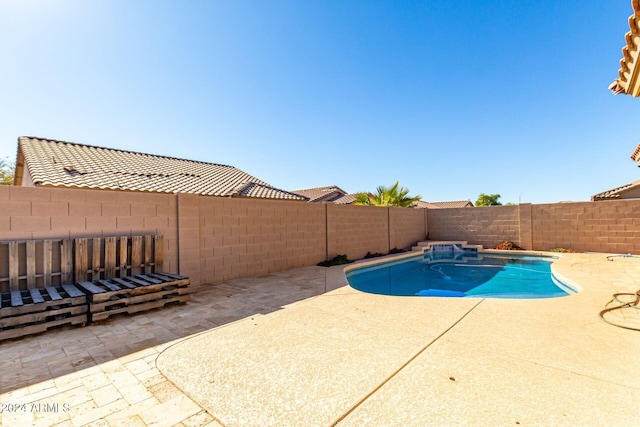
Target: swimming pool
[(452, 274)]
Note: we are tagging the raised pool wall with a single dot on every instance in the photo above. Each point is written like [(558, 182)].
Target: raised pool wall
[(213, 239)]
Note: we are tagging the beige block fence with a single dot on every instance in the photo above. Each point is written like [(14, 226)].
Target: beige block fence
[(212, 239), (611, 226)]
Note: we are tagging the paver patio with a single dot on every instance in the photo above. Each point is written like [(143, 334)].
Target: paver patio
[(106, 372), (342, 357)]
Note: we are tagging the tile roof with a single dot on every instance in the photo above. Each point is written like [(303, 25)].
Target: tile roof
[(347, 199), (328, 194), (453, 204), (67, 164), (421, 204), (617, 193), (334, 194), (635, 156), (322, 194), (628, 81)]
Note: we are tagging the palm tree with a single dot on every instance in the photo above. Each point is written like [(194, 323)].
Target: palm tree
[(387, 196)]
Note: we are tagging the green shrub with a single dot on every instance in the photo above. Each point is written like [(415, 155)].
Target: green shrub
[(397, 251), (373, 255), (337, 260)]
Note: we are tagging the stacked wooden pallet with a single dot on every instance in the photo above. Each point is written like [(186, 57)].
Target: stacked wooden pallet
[(45, 283), (131, 294), (36, 310)]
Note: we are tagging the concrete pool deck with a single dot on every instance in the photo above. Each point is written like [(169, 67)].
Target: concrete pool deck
[(277, 350)]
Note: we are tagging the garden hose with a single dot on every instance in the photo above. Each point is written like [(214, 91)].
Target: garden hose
[(632, 304), (611, 257)]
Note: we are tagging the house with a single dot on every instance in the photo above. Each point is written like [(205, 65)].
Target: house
[(328, 194), (628, 81), (50, 163), (628, 191)]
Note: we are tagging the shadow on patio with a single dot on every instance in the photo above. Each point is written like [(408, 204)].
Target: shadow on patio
[(32, 360)]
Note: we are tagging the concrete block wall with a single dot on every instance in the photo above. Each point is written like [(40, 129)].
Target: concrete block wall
[(485, 226), (63, 213), (247, 237), (605, 226), (189, 236), (356, 230), (407, 226), (525, 227), (213, 239)]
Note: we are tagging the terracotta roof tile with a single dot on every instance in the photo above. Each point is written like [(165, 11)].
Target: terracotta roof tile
[(67, 164), (635, 156), (628, 81), (421, 204), (453, 204), (616, 193), (328, 194), (347, 199), (321, 194)]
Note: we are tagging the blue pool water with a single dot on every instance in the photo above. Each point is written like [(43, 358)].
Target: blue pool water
[(452, 274)]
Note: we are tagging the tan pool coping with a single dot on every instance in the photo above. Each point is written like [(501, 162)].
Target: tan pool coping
[(278, 350)]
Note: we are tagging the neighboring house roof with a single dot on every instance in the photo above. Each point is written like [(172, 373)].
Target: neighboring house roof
[(421, 204), (46, 162), (347, 199), (328, 194), (452, 204), (334, 194), (628, 191), (322, 194), (628, 81), (635, 156)]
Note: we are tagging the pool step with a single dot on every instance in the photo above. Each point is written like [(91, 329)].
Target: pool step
[(436, 245)]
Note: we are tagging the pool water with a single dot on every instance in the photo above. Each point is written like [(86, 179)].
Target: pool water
[(477, 275)]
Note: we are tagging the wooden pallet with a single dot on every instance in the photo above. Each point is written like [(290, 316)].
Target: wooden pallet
[(33, 311), (132, 294), (73, 281)]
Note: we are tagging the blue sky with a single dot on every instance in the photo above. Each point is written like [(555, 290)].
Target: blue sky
[(451, 98)]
